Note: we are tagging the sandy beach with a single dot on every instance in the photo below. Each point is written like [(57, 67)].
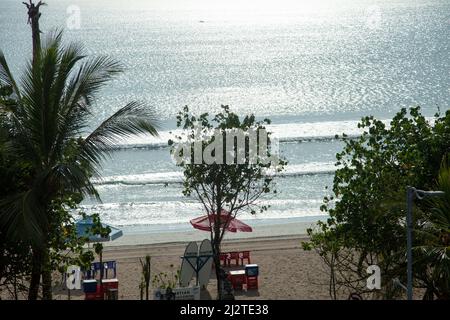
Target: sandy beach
[(286, 270)]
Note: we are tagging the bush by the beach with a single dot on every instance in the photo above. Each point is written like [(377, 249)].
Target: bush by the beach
[(368, 207)]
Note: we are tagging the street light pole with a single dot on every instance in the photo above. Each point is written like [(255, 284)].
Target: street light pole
[(411, 194)]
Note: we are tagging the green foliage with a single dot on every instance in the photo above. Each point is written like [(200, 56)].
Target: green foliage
[(165, 280), (97, 229), (14, 255), (63, 237), (367, 210), (6, 102), (234, 187)]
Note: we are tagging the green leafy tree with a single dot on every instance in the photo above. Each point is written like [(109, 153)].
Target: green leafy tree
[(46, 125), (366, 222), (224, 189)]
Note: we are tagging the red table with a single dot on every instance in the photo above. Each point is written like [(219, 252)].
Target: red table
[(237, 278), (99, 294)]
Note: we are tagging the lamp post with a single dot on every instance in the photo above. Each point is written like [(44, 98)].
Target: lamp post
[(411, 194)]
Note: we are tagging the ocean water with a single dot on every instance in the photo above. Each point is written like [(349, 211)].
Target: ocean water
[(313, 67)]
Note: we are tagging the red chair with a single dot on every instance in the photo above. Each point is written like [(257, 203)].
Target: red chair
[(234, 256), (245, 255), (224, 260), (252, 282), (98, 295), (110, 284)]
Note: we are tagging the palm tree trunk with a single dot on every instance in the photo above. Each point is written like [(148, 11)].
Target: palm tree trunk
[(46, 277), (36, 37), (36, 268), (33, 19)]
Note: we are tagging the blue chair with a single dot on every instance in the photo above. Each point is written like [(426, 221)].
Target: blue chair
[(95, 269), (110, 265)]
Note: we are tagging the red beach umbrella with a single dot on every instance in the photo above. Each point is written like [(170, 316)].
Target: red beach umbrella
[(233, 225)]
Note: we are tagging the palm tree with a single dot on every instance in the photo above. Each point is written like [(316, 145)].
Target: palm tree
[(47, 128), (432, 261)]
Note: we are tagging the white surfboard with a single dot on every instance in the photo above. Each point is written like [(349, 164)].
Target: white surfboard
[(187, 272), (205, 272)]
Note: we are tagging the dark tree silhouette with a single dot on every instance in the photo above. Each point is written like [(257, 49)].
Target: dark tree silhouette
[(33, 20)]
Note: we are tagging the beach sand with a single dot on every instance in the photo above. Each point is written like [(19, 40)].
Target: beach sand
[(286, 270)]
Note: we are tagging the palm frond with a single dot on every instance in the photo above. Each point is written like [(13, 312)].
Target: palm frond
[(6, 78), (21, 217), (90, 78), (134, 118), (71, 178), (56, 95)]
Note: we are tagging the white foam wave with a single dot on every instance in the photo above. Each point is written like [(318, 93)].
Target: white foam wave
[(177, 176), (284, 132), (177, 212)]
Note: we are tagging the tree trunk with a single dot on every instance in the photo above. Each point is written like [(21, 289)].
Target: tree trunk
[(46, 277), (36, 268), (101, 271), (33, 19), (216, 257), (36, 37), (217, 239), (38, 254), (146, 291)]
